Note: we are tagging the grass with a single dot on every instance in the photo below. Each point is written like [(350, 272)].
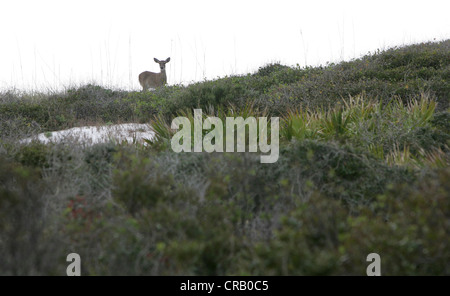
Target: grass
[(363, 167)]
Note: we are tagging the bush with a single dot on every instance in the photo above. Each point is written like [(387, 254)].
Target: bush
[(341, 172), (409, 229), (28, 245), (34, 155)]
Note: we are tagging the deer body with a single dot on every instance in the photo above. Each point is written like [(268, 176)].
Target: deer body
[(153, 80)]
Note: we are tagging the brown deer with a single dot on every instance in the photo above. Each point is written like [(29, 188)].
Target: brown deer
[(153, 80)]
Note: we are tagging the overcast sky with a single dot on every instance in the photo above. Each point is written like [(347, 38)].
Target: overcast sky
[(53, 44)]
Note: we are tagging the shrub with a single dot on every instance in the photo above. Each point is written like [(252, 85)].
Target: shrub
[(341, 172), (28, 245), (33, 155), (409, 229)]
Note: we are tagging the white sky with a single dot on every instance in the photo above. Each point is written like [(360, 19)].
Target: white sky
[(52, 44)]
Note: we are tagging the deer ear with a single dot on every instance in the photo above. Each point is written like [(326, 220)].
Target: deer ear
[(156, 60), (168, 60)]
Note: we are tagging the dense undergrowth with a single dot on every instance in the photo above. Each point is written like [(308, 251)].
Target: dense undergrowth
[(363, 167)]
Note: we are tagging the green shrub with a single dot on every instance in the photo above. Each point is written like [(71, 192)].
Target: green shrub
[(341, 172), (306, 242), (441, 121), (28, 245), (34, 155), (409, 229)]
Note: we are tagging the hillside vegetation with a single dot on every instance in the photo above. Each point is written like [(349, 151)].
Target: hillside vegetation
[(363, 168)]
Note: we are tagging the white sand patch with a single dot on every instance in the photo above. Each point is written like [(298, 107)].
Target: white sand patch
[(97, 134)]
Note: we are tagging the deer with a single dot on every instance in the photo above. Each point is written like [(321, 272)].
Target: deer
[(153, 80)]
